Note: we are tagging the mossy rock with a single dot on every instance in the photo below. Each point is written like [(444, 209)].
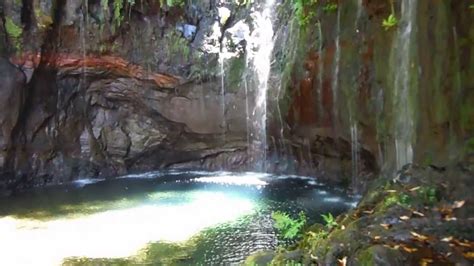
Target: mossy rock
[(260, 258), (159, 253), (379, 255)]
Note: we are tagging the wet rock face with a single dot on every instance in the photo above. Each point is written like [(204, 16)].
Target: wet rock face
[(105, 90), (361, 102), (12, 82)]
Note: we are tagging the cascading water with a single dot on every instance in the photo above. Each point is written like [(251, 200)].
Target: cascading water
[(259, 52), (360, 8), (354, 151), (83, 34), (320, 73), (223, 104), (337, 59), (353, 111), (403, 91)]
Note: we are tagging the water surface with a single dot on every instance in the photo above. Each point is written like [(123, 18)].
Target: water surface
[(160, 218)]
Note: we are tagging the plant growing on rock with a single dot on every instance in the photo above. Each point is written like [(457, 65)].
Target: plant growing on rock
[(428, 195), (330, 7), (172, 3), (303, 11), (391, 21), (14, 32), (288, 227), (329, 220)]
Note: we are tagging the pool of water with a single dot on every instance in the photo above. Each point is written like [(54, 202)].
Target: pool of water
[(158, 218)]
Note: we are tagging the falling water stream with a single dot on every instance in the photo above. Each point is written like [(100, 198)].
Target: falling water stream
[(335, 79), (355, 149), (403, 68), (320, 72), (223, 103), (259, 52)]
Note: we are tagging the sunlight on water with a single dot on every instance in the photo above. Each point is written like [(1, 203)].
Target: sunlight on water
[(158, 218), (117, 233), (254, 179)]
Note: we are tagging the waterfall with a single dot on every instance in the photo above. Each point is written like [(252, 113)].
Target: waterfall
[(354, 151), (83, 34), (337, 59), (320, 74), (259, 52), (403, 91), (360, 7), (222, 70), (353, 121)]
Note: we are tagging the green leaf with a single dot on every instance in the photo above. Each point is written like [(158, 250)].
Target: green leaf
[(389, 22)]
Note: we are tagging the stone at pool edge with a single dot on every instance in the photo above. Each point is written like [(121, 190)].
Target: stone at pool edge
[(260, 258)]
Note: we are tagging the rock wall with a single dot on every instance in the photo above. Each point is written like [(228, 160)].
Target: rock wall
[(353, 77), (104, 88)]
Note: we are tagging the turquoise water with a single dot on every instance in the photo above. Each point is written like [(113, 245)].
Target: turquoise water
[(167, 218)]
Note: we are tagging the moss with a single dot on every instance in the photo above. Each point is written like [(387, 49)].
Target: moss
[(330, 7), (467, 116), (42, 19), (428, 160), (365, 258), (304, 11), (259, 258), (469, 146), (179, 46), (117, 15), (428, 195), (13, 30), (235, 72), (160, 253), (172, 3)]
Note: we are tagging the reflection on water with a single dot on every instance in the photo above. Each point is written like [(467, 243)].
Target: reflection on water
[(210, 218)]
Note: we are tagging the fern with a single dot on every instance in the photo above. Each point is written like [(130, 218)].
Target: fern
[(330, 7), (288, 227), (329, 220), (390, 21)]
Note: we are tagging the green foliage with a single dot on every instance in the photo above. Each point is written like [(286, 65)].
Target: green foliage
[(330, 7), (13, 30), (404, 200), (172, 3), (329, 220), (469, 147), (396, 199), (467, 115), (288, 227), (303, 10), (428, 195), (118, 17), (318, 236), (390, 22), (390, 201)]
